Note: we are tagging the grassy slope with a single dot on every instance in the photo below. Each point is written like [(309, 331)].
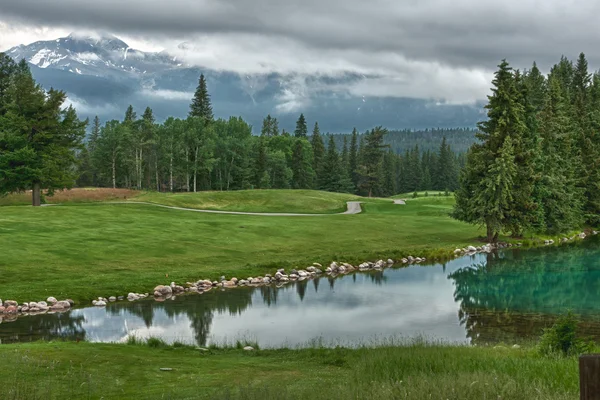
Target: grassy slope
[(111, 371), (84, 251), (284, 201)]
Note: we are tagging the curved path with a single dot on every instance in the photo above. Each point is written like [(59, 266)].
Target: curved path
[(353, 208)]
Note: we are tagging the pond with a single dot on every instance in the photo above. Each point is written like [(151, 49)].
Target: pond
[(505, 297)]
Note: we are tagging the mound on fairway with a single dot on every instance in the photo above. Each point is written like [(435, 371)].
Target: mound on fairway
[(270, 201)]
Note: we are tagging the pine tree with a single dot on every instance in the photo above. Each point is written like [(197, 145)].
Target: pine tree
[(446, 173), (318, 148), (301, 130), (371, 161), (487, 194), (332, 177), (559, 200), (39, 139), (303, 174), (270, 127), (353, 158), (345, 160), (201, 106), (7, 70)]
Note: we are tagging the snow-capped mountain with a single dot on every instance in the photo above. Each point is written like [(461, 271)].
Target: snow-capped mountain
[(102, 75)]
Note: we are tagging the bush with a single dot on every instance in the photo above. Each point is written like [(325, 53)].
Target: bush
[(562, 338), (415, 195), (426, 194)]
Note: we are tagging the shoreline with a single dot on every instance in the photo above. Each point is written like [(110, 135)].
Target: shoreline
[(11, 309)]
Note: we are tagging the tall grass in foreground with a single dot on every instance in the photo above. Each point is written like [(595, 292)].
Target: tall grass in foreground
[(413, 370)]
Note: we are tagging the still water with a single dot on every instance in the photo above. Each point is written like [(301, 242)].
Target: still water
[(506, 297)]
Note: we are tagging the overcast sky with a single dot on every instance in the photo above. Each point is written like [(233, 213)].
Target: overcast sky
[(417, 48)]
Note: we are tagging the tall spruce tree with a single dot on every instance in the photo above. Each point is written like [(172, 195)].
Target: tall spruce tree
[(558, 197), (201, 106), (38, 138), (487, 194), (353, 158), (303, 174), (301, 130), (318, 148), (371, 161), (7, 70)]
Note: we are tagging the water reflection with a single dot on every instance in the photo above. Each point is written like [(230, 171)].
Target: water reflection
[(481, 299)]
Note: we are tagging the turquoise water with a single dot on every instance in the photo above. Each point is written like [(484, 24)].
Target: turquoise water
[(507, 297)]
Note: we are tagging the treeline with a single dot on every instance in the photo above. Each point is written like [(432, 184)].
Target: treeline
[(537, 165), (400, 141), (200, 153)]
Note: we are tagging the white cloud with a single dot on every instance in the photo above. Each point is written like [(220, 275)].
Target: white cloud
[(168, 94)]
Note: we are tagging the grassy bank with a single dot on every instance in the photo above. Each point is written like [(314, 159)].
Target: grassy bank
[(116, 371), (88, 250)]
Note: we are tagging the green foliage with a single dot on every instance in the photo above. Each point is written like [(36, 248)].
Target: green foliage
[(562, 338)]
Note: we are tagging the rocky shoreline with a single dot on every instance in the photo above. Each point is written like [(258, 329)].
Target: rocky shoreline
[(10, 309)]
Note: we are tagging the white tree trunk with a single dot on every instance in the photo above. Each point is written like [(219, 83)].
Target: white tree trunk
[(195, 169), (140, 170), (114, 171), (171, 173), (187, 169)]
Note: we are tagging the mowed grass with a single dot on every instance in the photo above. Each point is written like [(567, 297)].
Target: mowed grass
[(271, 201), (88, 250), (61, 370)]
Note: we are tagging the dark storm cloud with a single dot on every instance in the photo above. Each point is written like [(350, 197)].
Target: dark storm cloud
[(460, 33)]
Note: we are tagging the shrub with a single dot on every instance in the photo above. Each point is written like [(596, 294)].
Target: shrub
[(415, 195), (562, 338)]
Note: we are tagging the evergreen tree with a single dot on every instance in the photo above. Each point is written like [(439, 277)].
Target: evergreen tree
[(353, 158), (270, 127), (345, 160), (371, 161), (446, 173), (332, 177), (201, 106), (558, 196), (38, 139), (303, 174), (487, 195), (318, 148), (301, 130), (7, 70)]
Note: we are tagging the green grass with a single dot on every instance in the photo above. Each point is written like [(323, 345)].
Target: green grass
[(89, 250), (272, 201), (60, 370)]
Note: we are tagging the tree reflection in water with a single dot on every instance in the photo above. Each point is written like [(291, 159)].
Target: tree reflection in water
[(513, 296)]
